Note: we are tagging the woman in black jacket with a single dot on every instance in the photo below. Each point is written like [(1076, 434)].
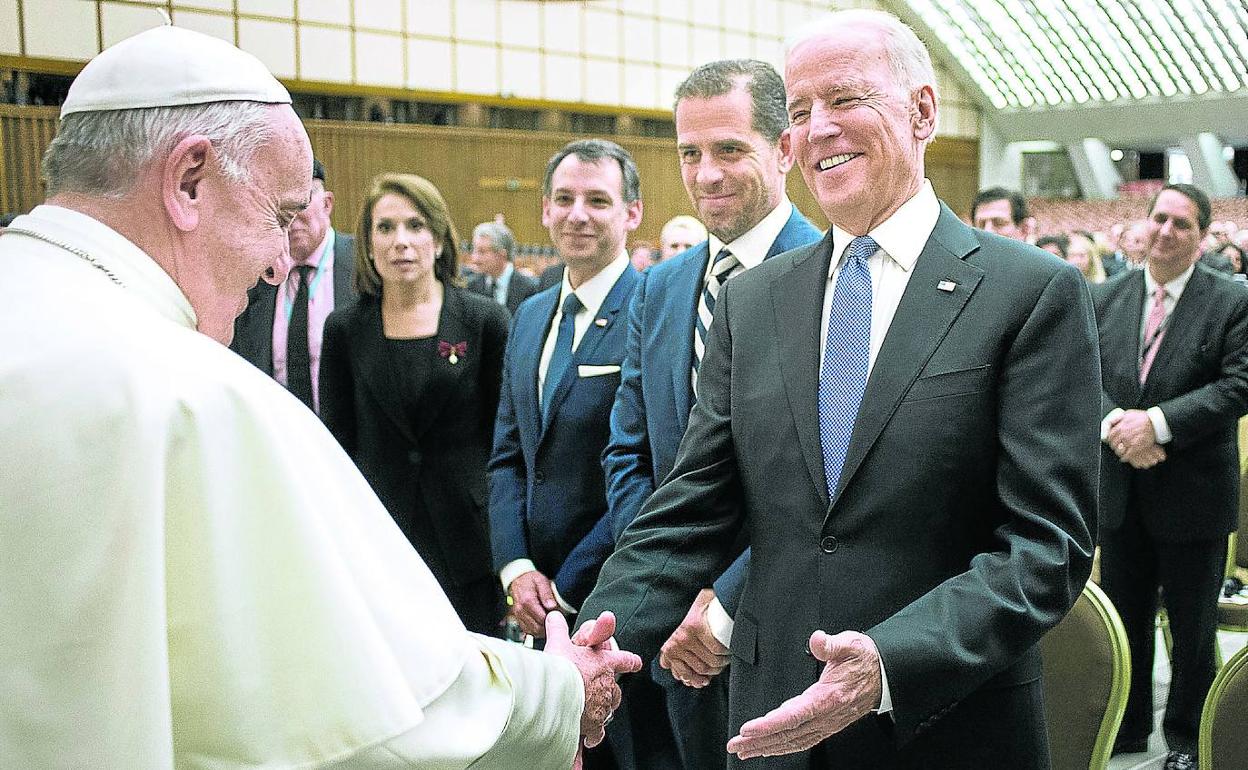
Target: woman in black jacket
[(409, 382)]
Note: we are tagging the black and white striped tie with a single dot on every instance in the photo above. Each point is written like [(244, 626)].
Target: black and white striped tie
[(725, 266)]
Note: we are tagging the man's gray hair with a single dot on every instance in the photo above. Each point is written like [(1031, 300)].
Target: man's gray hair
[(592, 151), (101, 153), (499, 235), (759, 79), (907, 56)]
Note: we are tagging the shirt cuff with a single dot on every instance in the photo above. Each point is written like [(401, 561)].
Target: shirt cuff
[(1108, 420), (567, 608), (720, 622), (513, 570), (1160, 427), (886, 698)]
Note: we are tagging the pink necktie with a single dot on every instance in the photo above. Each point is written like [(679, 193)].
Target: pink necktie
[(1153, 332)]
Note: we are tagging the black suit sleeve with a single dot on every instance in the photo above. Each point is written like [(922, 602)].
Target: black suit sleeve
[(493, 345), (952, 639), (687, 530), (1216, 405), (336, 386)]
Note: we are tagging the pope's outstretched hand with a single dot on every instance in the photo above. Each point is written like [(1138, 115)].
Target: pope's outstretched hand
[(598, 659), (848, 689)]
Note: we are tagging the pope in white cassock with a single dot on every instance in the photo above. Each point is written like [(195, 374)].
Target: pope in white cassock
[(193, 573)]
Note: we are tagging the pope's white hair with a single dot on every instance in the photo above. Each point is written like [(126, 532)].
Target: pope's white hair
[(907, 56), (102, 153)]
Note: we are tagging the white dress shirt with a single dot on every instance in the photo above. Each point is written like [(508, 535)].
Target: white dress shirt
[(752, 246), (901, 239), (592, 294), (1174, 290)]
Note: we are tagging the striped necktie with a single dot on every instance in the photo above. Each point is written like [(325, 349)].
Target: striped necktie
[(725, 266)]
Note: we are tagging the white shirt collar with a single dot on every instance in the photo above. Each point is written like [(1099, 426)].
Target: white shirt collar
[(594, 292), (903, 235), (1174, 288), (751, 247), (504, 277), (137, 271)]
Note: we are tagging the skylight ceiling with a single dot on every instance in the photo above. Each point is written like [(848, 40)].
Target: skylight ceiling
[(1034, 54)]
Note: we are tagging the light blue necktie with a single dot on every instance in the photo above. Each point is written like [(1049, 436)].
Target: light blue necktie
[(562, 356), (846, 358)]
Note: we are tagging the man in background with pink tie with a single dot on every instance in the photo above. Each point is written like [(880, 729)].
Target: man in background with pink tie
[(1174, 362)]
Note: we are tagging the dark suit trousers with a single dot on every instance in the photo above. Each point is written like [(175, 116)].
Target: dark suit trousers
[(989, 729), (699, 719), (1133, 566)]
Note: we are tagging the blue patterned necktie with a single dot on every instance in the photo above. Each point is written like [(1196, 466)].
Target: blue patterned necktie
[(846, 358), (562, 356)]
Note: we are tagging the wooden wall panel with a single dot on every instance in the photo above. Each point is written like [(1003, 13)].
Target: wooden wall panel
[(25, 133), (481, 172)]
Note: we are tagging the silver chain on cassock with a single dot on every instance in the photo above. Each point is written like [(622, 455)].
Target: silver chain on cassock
[(77, 252)]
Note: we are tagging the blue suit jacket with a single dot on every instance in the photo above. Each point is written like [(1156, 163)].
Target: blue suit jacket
[(547, 491), (652, 407)]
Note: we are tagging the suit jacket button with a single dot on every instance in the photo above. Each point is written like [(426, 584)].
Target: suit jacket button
[(539, 477), (414, 457), (829, 544)]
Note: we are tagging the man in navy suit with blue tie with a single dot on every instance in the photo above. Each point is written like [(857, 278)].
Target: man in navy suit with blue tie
[(548, 513), (729, 118)]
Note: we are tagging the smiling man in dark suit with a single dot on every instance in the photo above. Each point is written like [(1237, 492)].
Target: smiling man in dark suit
[(548, 509), (1174, 356), (729, 118), (324, 263), (902, 417)]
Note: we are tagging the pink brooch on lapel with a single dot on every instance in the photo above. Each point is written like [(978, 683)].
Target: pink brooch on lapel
[(452, 352)]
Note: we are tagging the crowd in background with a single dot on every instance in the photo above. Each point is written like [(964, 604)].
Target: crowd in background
[(1101, 254)]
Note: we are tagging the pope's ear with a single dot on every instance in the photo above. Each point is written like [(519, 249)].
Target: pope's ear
[(183, 178)]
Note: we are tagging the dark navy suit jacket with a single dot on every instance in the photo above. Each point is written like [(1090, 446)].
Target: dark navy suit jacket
[(547, 493), (652, 407)]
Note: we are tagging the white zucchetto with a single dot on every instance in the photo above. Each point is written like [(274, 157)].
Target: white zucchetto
[(169, 67)]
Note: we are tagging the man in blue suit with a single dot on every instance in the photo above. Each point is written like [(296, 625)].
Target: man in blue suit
[(729, 119), (548, 513)]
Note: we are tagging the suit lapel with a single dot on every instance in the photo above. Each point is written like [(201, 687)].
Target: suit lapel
[(599, 327), (682, 308), (532, 337), (683, 304), (1183, 324), (344, 268), (922, 320), (380, 379), (1122, 326), (266, 309), (797, 303)]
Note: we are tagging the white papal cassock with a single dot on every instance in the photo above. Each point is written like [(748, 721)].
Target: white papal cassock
[(192, 572)]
